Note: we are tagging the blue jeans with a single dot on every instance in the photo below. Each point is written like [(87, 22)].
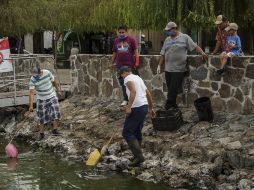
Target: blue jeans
[(121, 82), (134, 123)]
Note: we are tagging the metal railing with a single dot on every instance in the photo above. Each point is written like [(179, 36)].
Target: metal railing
[(13, 79)]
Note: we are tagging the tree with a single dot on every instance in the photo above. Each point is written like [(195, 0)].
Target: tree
[(22, 16)]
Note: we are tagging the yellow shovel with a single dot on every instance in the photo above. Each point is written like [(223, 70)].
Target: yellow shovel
[(95, 156)]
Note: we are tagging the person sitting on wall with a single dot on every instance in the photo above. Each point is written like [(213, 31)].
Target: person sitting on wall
[(233, 46), (174, 54), (125, 52), (140, 102), (221, 36)]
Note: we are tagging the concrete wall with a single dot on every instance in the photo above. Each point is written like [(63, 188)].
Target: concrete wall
[(234, 92)]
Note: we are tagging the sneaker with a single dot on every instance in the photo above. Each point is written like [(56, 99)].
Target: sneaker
[(55, 132), (124, 103), (40, 136)]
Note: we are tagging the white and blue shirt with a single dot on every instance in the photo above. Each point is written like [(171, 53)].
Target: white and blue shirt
[(43, 85), (236, 42)]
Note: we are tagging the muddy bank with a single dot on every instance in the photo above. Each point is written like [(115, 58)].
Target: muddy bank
[(201, 155)]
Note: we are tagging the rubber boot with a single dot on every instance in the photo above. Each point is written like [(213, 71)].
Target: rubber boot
[(136, 151), (140, 144)]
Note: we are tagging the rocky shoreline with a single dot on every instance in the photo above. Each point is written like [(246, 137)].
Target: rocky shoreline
[(200, 154)]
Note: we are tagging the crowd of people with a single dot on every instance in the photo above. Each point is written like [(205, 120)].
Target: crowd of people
[(136, 97)]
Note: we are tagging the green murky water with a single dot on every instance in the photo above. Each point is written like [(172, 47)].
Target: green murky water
[(45, 171)]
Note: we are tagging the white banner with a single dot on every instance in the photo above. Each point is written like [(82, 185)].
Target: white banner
[(5, 65)]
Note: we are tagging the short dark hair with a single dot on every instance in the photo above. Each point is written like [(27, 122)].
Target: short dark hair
[(224, 19), (123, 27), (124, 69)]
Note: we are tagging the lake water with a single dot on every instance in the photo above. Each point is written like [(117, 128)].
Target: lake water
[(46, 171)]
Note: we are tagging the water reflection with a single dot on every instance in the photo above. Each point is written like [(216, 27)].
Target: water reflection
[(45, 171), (12, 163)]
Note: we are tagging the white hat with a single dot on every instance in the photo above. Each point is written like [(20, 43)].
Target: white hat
[(220, 19), (232, 26), (170, 25)]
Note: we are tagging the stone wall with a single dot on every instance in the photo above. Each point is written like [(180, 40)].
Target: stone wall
[(233, 92)]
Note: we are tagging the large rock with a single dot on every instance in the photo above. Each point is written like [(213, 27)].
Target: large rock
[(191, 98), (93, 67), (154, 61), (106, 63), (239, 160), (204, 92), (245, 184), (234, 145), (240, 62), (87, 80), (214, 76), (233, 105), (84, 59), (115, 82), (248, 107), (157, 81), (215, 61), (195, 61), (250, 71), (218, 104), (245, 87), (144, 61), (158, 96), (149, 85), (204, 84), (199, 74), (145, 74), (225, 91), (107, 88), (94, 89), (106, 74), (233, 76), (215, 86), (252, 91), (239, 95)]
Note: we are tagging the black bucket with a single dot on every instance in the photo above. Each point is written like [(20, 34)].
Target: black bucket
[(204, 109), (167, 120)]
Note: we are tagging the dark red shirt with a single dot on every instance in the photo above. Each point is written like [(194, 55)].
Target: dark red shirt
[(125, 51), (222, 37)]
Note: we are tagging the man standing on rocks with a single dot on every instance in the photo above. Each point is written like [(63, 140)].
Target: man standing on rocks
[(140, 102), (221, 36), (125, 52), (42, 82), (174, 54)]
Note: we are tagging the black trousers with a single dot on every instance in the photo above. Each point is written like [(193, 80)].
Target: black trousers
[(174, 82)]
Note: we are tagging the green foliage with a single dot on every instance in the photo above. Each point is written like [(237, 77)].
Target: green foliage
[(18, 17)]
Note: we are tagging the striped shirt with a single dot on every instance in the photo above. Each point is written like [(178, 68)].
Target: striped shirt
[(43, 85)]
